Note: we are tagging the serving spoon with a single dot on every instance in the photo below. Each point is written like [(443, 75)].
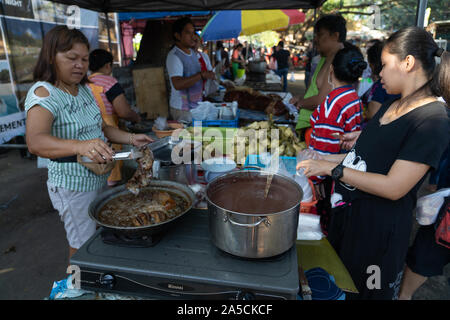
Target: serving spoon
[(268, 183)]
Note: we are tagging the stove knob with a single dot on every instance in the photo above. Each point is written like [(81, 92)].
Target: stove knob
[(244, 295), (107, 280)]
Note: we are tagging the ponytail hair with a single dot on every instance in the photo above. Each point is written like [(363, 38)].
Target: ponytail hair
[(348, 64), (420, 44)]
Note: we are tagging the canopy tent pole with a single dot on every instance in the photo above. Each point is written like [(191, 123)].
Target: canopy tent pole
[(420, 14), (119, 38), (246, 51), (108, 29)]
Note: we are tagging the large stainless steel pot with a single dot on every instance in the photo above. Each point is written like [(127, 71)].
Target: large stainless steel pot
[(175, 187), (257, 66), (261, 233)]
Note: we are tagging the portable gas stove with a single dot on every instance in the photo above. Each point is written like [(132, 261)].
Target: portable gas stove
[(184, 264)]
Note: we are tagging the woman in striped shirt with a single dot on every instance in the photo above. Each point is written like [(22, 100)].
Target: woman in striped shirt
[(341, 111), (63, 121)]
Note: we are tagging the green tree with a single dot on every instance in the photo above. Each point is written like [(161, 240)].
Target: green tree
[(267, 39), (395, 14)]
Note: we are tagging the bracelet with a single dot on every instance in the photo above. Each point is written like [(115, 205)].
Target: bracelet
[(132, 139)]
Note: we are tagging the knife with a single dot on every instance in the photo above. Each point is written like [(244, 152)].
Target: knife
[(128, 155), (306, 290)]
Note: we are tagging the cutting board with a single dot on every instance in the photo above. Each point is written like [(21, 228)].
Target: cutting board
[(151, 91)]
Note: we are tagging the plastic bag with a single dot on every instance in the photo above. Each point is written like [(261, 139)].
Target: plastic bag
[(211, 87), (303, 182), (273, 166), (292, 78), (307, 154), (309, 227), (65, 289), (428, 206), (271, 77), (205, 111), (161, 123)]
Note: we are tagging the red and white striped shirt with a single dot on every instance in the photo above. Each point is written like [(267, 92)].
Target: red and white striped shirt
[(340, 112)]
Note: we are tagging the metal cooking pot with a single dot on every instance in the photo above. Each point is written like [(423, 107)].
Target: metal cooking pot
[(177, 188), (257, 66), (258, 234)]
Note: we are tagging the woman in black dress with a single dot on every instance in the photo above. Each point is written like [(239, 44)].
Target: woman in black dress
[(375, 184)]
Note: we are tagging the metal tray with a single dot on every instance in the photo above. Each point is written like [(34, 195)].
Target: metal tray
[(162, 149)]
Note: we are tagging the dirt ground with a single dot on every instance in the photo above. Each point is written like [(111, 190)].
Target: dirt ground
[(33, 246)]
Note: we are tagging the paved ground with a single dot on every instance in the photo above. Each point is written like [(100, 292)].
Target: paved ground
[(33, 246)]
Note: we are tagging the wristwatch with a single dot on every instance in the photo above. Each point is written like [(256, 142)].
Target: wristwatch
[(337, 172)]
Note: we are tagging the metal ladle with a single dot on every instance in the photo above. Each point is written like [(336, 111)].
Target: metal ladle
[(268, 183)]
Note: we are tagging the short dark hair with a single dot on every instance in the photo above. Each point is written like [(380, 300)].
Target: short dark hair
[(58, 39), (179, 25), (281, 44), (348, 64), (98, 58), (374, 56), (333, 23)]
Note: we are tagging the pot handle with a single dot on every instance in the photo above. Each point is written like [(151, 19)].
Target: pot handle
[(206, 176), (249, 225)]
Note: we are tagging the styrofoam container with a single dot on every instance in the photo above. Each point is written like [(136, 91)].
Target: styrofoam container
[(216, 167), (218, 164)]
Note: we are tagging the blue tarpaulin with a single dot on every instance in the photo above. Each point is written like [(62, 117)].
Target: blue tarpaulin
[(126, 16)]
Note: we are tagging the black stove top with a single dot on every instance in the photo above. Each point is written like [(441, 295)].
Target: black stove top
[(185, 264), (110, 237)]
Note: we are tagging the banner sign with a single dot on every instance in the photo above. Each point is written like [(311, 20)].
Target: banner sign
[(12, 126), (23, 24)]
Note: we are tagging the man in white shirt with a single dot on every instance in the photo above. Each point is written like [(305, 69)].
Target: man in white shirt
[(183, 67)]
